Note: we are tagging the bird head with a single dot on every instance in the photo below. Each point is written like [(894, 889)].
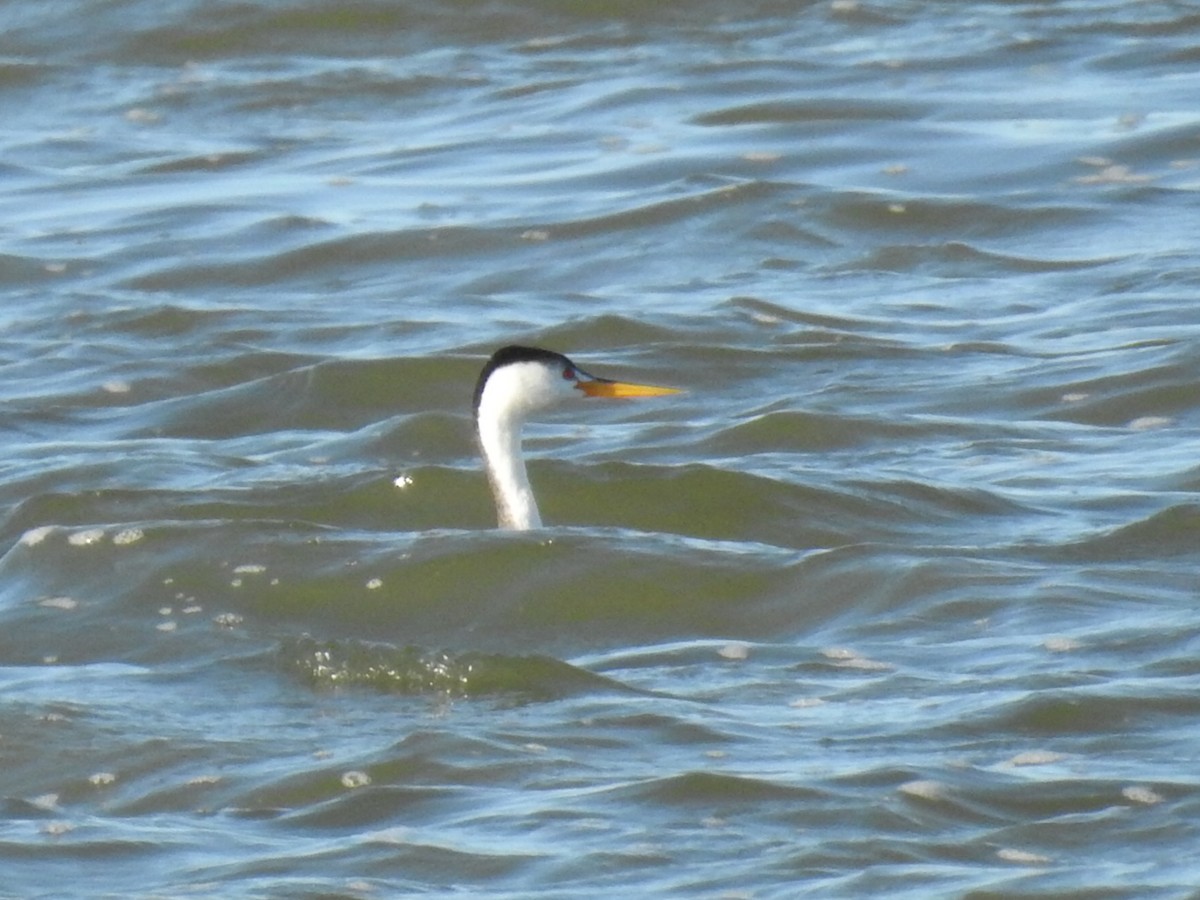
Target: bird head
[(520, 380)]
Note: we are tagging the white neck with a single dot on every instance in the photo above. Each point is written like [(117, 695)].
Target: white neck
[(500, 441)]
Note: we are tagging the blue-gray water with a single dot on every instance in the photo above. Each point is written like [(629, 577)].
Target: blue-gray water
[(899, 599)]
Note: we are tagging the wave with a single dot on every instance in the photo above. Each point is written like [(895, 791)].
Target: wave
[(962, 259), (787, 112), (340, 664), (1164, 534)]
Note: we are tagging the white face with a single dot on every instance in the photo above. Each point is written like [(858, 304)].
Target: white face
[(524, 387)]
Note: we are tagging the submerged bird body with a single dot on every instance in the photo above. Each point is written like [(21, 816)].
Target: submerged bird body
[(516, 382)]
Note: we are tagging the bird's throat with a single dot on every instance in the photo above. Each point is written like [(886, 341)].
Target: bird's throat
[(500, 444)]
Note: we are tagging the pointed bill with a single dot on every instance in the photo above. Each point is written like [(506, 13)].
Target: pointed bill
[(601, 387)]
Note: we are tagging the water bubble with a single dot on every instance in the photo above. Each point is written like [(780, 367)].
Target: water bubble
[(355, 779)]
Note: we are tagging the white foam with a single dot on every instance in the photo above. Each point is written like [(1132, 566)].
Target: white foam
[(35, 536), (128, 536), (1140, 794), (806, 702), (846, 658), (46, 802), (1035, 758), (1149, 423), (1023, 857), (86, 538), (67, 603), (735, 651), (923, 788), (1061, 644)]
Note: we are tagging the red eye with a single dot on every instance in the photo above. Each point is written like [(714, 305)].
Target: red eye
[(568, 374)]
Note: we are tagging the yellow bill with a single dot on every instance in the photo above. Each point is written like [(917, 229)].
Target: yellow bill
[(617, 390)]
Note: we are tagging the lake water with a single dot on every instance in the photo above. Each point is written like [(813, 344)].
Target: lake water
[(900, 599)]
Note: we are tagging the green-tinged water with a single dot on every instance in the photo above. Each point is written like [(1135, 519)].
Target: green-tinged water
[(898, 599)]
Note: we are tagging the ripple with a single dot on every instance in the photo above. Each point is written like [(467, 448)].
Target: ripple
[(781, 112), (957, 258), (724, 790)]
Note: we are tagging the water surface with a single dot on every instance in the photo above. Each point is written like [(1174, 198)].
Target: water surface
[(898, 599)]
